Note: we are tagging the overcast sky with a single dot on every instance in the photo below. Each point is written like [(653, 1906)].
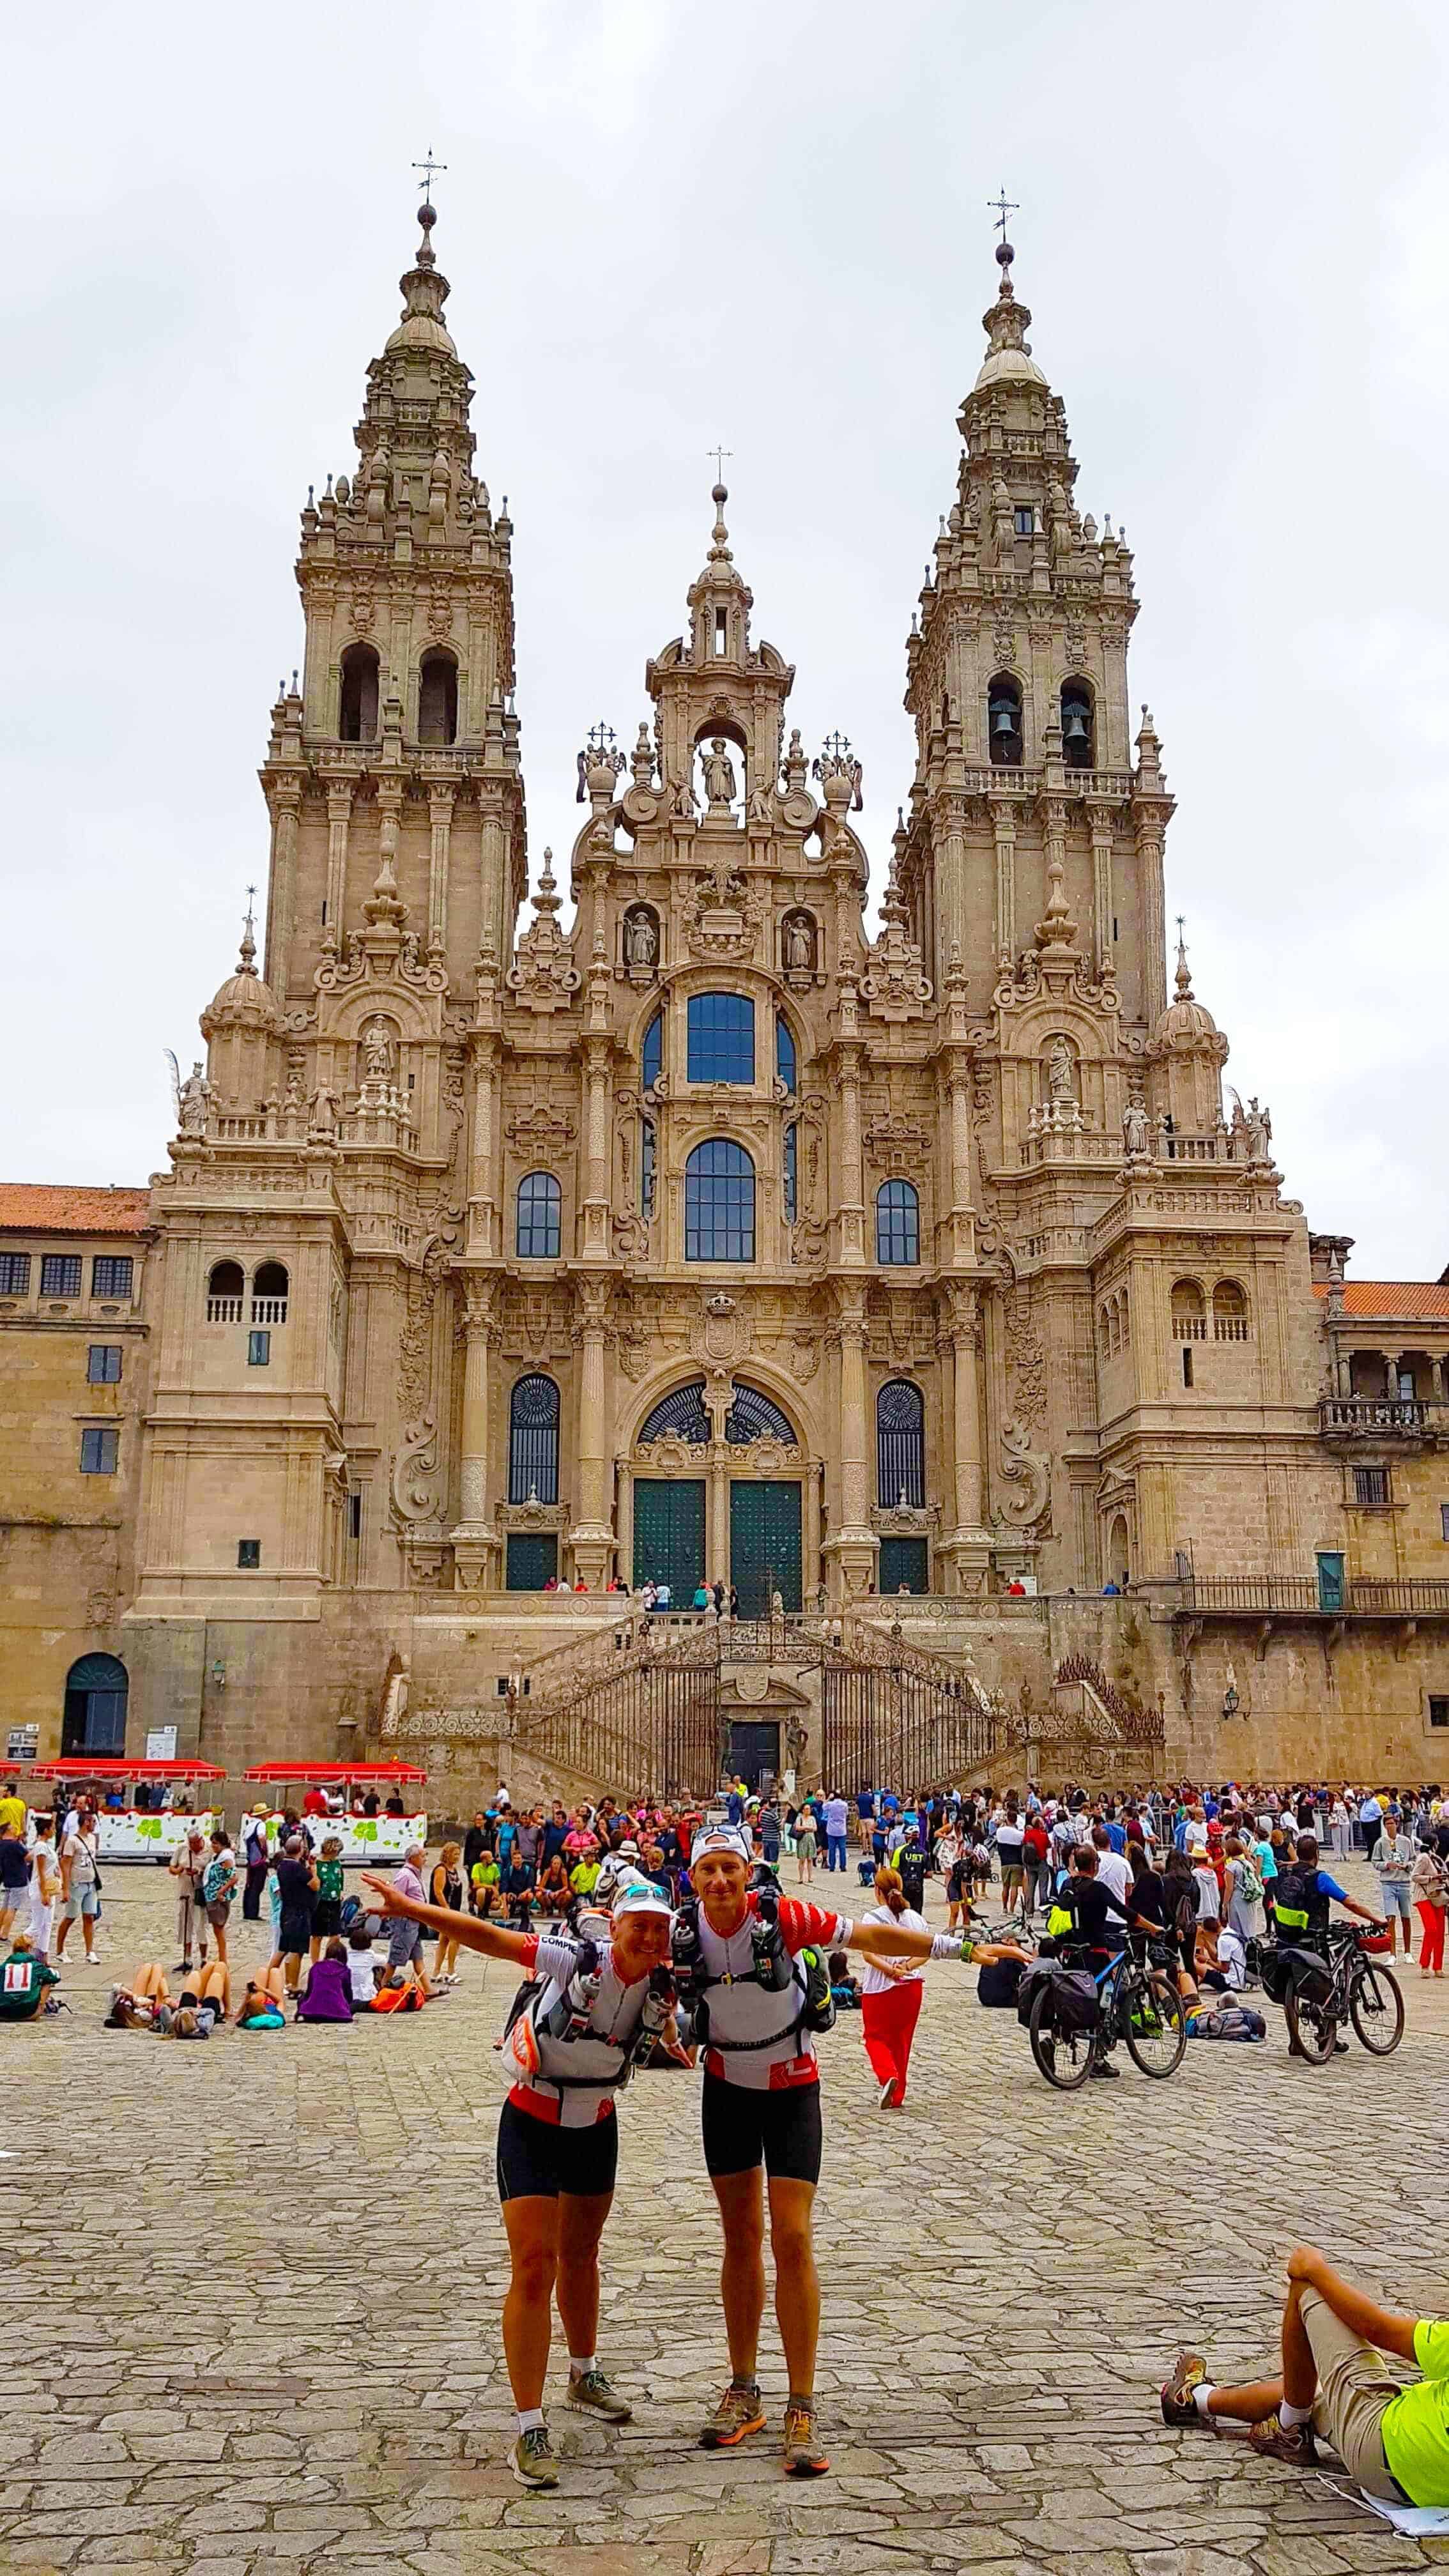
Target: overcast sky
[(668, 224)]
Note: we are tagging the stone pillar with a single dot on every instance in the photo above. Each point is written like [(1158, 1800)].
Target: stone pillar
[(969, 1546), (484, 1227), (592, 1537), (475, 1540), (624, 1479), (440, 808), (1101, 820), (850, 1205), (1150, 835), (1436, 1381), (1391, 1373), (594, 1245), (717, 1515), (1003, 824), (339, 815), (282, 894), (810, 1566), (852, 1548)]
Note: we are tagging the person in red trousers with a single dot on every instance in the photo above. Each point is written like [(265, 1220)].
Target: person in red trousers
[(1430, 1885), (890, 2000)]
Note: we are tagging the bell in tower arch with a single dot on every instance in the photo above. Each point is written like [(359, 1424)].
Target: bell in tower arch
[(1077, 735)]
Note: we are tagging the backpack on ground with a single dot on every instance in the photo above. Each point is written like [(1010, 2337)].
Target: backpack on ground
[(1230, 2021)]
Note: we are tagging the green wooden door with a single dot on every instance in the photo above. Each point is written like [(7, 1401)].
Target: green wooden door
[(764, 1545), (904, 1561), (669, 1535), (531, 1560)]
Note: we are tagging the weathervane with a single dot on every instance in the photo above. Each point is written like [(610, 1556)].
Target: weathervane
[(1002, 206), (427, 168)]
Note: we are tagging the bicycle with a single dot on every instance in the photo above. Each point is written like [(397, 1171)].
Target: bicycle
[(1360, 1990), (1136, 2002)]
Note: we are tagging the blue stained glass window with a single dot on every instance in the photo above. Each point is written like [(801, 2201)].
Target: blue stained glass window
[(651, 1061), (538, 1217), (897, 1223), (719, 1202), (785, 1055), (721, 1033), (792, 1166)]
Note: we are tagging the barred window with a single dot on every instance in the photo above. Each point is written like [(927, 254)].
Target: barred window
[(111, 1274), (533, 1441), (14, 1274), (60, 1274), (900, 1445), (1371, 1487)]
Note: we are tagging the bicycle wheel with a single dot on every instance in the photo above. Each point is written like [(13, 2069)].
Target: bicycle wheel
[(1376, 2008), (1154, 2025), (1310, 2028), (1064, 2059)]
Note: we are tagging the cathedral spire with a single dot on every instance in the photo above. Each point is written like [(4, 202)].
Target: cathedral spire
[(1005, 323), (425, 291)]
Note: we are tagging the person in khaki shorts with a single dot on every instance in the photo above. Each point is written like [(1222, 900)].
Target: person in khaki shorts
[(1335, 2388)]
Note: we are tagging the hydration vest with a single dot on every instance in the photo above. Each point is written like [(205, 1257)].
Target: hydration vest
[(533, 2033), (771, 1968)]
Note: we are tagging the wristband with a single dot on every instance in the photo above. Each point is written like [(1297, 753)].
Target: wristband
[(946, 1945)]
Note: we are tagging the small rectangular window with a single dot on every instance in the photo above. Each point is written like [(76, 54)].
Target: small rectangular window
[(259, 1350), (60, 1274), (14, 1274), (721, 631), (1371, 1487), (1025, 520), (248, 1554), (103, 1366), (1186, 1364), (111, 1274), (99, 1450), (1438, 1711), (1444, 1521), (354, 1516)]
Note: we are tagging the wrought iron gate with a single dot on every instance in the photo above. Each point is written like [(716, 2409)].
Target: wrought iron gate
[(892, 1723), (649, 1721)]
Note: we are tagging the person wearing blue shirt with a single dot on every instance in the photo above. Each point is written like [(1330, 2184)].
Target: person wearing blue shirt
[(735, 1807), (1117, 1834)]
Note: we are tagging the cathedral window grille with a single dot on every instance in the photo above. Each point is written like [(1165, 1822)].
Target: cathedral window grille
[(786, 1066), (719, 1202), (533, 1413), (897, 1224), (438, 698), (1230, 1313), (753, 1416), (1078, 729), (111, 1274), (900, 1446), (14, 1274), (269, 1293), (1189, 1312), (792, 1172), (60, 1274), (1004, 736), (225, 1290), (680, 1416), (539, 1229), (357, 711), (651, 1060), (647, 1151), (721, 1037)]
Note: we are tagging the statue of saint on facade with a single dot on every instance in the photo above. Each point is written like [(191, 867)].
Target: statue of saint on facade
[(376, 1053), (192, 1096), (719, 774), (799, 944), (1134, 1129), (641, 941), (1061, 1073)]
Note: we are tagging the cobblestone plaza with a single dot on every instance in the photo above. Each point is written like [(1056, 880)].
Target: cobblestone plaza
[(257, 2294)]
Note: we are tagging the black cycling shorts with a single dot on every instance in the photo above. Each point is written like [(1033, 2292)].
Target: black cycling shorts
[(537, 2161), (741, 2128)]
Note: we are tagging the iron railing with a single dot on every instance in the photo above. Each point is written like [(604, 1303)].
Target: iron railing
[(651, 1721), (886, 1722), (1300, 1595)]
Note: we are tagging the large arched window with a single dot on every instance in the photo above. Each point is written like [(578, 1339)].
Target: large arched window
[(225, 1289), (897, 1223), (1230, 1313), (269, 1294), (538, 1217), (533, 1441), (95, 1707), (357, 714), (680, 1416), (720, 1036), (719, 1202), (651, 1060), (1078, 728), (438, 698), (1189, 1312), (1004, 737), (753, 1416), (900, 1446)]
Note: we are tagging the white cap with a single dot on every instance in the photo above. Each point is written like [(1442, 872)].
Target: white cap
[(642, 1900), (720, 1838)]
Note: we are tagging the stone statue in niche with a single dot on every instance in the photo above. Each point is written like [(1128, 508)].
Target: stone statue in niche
[(1061, 1074), (1134, 1130), (719, 773), (641, 940), (376, 1052), (799, 944)]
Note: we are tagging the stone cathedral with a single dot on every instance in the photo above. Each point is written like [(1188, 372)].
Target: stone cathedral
[(705, 1234)]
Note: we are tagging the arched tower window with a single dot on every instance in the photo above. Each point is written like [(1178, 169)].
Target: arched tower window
[(1003, 721), (533, 1441), (900, 1446), (225, 1290), (539, 1200), (269, 1293), (95, 1707), (1189, 1312), (438, 698), (720, 1037), (719, 1202), (897, 1223), (1119, 1567), (1230, 1312), (357, 713), (786, 1067), (1079, 732), (651, 1059)]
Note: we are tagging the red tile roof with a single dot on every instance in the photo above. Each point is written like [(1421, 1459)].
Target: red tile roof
[(51, 1207), (1395, 1300)]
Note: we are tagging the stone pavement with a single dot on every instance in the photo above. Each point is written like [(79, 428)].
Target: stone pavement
[(254, 2296)]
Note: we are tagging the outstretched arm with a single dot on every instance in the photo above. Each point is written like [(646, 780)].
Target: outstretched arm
[(894, 1941), (1361, 2314), (466, 1929)]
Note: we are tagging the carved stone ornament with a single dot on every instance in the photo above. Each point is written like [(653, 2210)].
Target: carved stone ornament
[(544, 978), (667, 1452), (905, 1520), (415, 1489), (1027, 1478), (540, 1130), (896, 1141)]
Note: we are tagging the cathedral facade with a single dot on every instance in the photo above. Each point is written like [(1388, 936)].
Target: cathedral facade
[(709, 1236)]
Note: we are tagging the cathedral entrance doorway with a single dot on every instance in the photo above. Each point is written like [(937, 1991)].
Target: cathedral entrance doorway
[(754, 1752), (95, 1706), (669, 1535), (764, 1545), (904, 1565)]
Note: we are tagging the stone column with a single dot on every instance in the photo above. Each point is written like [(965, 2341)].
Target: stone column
[(852, 1548), (850, 1205), (810, 1569), (475, 1540), (594, 1244), (1150, 834), (282, 896), (339, 815), (440, 808), (624, 1474), (717, 1515), (483, 1216), (1391, 1373), (1003, 824), (1101, 821), (592, 1536), (969, 1546), (1436, 1381)]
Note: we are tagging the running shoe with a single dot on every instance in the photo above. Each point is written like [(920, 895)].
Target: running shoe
[(1291, 2443), (1104, 2066), (532, 2458), (1188, 2372), (739, 2412), (593, 2394), (887, 2094), (804, 2454)]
